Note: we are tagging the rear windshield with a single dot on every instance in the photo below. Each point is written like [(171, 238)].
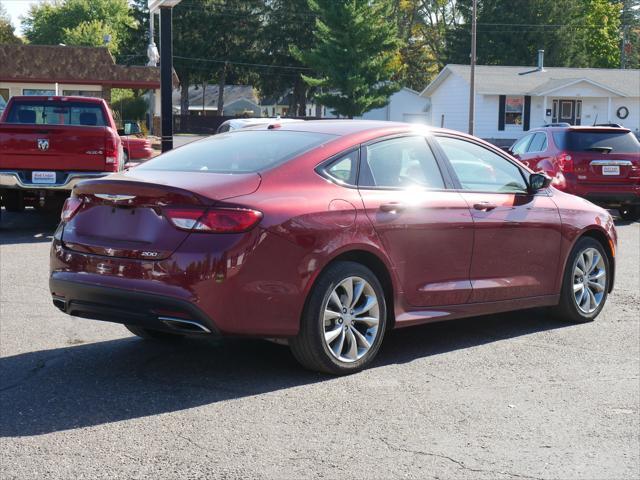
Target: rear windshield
[(618, 142), (57, 113), (241, 151)]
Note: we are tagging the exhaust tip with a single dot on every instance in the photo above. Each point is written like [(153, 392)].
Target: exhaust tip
[(61, 303), (185, 326)]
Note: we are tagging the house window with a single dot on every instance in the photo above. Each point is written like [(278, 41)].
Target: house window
[(82, 93), (4, 98), (514, 107), (33, 91)]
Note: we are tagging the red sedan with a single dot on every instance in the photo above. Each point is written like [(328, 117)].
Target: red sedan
[(327, 234)]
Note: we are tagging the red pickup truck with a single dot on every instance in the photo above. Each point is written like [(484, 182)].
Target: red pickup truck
[(48, 144)]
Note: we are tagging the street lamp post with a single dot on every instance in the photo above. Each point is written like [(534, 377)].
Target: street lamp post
[(166, 68)]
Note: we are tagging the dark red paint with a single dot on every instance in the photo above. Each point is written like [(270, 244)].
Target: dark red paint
[(441, 258)]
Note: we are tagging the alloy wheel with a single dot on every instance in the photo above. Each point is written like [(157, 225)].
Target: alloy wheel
[(351, 317), (589, 280)]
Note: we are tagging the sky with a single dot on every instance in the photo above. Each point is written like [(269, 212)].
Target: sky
[(17, 8)]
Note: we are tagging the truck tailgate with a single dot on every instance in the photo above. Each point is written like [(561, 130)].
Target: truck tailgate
[(52, 147)]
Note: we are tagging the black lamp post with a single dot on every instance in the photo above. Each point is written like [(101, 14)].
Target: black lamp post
[(166, 68)]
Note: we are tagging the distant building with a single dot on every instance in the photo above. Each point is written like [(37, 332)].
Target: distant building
[(511, 100), (405, 105), (280, 105), (203, 100), (68, 70)]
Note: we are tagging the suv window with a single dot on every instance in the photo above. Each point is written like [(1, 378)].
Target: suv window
[(480, 169), (399, 163), (539, 143), (57, 113), (242, 151), (521, 145), (587, 140)]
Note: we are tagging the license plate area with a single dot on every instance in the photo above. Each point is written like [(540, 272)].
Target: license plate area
[(43, 177), (610, 170)]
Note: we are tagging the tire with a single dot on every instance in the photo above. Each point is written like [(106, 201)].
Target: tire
[(568, 308), (339, 355), (157, 335), (630, 213), (13, 200)]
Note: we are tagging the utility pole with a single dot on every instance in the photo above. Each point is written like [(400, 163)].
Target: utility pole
[(472, 77), (166, 68)]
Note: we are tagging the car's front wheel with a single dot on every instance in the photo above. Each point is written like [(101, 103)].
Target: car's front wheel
[(585, 283), (344, 321)]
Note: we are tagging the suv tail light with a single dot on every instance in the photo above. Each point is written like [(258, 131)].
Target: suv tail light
[(565, 162), (70, 208), (214, 220), (111, 152)]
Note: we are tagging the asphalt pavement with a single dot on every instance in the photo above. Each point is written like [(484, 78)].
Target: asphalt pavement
[(515, 395)]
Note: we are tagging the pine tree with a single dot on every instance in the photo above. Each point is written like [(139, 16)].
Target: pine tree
[(356, 54)]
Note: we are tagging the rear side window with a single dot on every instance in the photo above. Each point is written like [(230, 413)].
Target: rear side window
[(242, 151), (401, 163), (589, 140), (344, 168), (539, 143), (57, 113)]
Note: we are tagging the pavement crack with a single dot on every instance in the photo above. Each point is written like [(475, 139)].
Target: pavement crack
[(460, 463)]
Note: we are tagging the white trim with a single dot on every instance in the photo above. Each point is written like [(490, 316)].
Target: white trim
[(436, 82), (579, 80)]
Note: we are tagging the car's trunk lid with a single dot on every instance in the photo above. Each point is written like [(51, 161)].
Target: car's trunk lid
[(123, 216)]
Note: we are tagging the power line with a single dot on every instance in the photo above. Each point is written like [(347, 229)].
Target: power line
[(263, 65)]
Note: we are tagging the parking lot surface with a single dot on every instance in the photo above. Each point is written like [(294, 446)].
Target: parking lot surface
[(515, 395)]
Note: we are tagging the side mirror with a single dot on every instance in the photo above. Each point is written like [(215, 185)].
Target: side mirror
[(538, 181), (121, 131)]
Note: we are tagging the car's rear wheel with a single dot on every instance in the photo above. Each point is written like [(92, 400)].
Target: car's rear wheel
[(586, 282), (630, 213), (150, 334), (344, 321), (13, 200)]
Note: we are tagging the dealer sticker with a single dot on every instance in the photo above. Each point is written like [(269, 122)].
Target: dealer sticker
[(43, 177)]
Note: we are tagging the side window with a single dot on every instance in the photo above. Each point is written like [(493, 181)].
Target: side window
[(539, 143), (343, 169), (401, 163), (480, 169), (521, 145)]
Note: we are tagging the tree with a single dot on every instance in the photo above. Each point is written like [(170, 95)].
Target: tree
[(287, 23), (6, 28), (79, 22), (573, 33), (356, 54), (212, 40), (630, 26)]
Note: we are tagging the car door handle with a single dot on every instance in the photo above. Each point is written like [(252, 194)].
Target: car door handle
[(392, 207), (484, 206)]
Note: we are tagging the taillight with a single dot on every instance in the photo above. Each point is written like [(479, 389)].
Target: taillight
[(565, 162), (111, 152), (70, 208), (214, 220)]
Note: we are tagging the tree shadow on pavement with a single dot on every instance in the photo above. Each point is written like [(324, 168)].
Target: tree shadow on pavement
[(92, 384)]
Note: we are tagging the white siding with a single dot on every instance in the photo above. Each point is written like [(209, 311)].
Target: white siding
[(403, 106), (451, 99)]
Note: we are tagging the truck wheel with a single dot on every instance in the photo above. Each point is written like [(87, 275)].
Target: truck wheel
[(13, 200), (630, 213)]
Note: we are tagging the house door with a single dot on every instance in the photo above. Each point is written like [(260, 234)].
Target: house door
[(567, 111)]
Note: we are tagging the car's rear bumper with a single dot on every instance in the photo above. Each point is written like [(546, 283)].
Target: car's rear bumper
[(19, 179), (608, 195), (131, 307), (141, 153)]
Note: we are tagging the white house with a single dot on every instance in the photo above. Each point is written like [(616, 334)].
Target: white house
[(405, 105), (511, 100)]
